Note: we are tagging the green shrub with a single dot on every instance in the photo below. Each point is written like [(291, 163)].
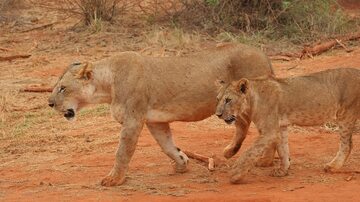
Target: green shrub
[(297, 20)]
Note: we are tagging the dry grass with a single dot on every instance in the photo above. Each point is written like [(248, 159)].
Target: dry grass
[(10, 4), (93, 11), (7, 8)]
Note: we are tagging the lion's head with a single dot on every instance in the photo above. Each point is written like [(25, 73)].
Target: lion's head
[(232, 99), (73, 90)]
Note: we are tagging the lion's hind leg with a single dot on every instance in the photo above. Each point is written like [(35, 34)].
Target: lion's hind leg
[(162, 134), (346, 128)]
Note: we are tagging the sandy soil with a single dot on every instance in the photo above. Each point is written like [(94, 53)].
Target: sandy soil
[(43, 157)]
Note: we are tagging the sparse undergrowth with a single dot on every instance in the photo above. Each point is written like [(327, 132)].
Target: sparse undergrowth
[(297, 21), (254, 22)]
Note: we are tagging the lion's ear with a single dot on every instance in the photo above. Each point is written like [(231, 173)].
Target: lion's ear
[(242, 86), (219, 83), (86, 72)]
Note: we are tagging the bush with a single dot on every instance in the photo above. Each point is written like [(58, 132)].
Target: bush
[(93, 10), (297, 20), (302, 20)]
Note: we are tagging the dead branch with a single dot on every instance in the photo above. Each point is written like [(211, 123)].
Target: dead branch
[(344, 47), (35, 89), (284, 56), (196, 156), (209, 160), (13, 57), (322, 47), (39, 27), (280, 57)]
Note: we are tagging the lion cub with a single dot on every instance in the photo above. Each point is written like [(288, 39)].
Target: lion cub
[(274, 103)]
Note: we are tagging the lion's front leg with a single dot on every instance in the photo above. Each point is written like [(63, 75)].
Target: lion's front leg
[(283, 151), (162, 134), (128, 139), (242, 126), (250, 157)]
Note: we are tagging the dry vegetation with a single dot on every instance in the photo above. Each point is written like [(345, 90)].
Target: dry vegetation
[(295, 21)]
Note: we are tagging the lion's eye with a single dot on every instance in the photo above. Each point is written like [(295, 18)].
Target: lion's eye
[(227, 100), (62, 89)]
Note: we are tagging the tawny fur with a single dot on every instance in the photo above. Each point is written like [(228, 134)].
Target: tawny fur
[(156, 91), (273, 104)]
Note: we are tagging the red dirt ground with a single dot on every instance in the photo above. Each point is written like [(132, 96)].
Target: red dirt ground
[(44, 158)]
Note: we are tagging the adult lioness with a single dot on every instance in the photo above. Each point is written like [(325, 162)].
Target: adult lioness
[(273, 104), (155, 91)]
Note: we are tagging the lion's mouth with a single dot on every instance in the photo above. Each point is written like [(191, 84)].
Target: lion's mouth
[(69, 114), (230, 120)]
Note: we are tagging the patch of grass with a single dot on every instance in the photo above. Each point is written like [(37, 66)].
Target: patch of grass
[(22, 122), (99, 110), (174, 38), (22, 126), (96, 25), (256, 39)]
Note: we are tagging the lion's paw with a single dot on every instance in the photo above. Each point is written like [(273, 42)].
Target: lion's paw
[(328, 168), (237, 179), (111, 180), (229, 152), (182, 167), (278, 172)]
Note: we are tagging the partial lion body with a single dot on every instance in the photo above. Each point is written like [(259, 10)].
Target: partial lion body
[(273, 104), (156, 91), (177, 88)]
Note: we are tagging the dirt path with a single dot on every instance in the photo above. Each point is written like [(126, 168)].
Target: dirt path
[(56, 160)]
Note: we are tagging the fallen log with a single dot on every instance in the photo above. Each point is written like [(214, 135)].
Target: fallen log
[(13, 57), (317, 49)]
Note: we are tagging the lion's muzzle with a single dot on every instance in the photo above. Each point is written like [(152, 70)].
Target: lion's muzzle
[(230, 119), (69, 114)]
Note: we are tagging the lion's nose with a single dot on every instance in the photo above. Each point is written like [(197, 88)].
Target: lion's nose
[(219, 115), (51, 104)]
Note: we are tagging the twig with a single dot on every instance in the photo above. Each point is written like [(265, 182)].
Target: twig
[(13, 57), (37, 89), (210, 161), (39, 27), (293, 67), (294, 188), (4, 49), (196, 156), (280, 57), (342, 45)]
